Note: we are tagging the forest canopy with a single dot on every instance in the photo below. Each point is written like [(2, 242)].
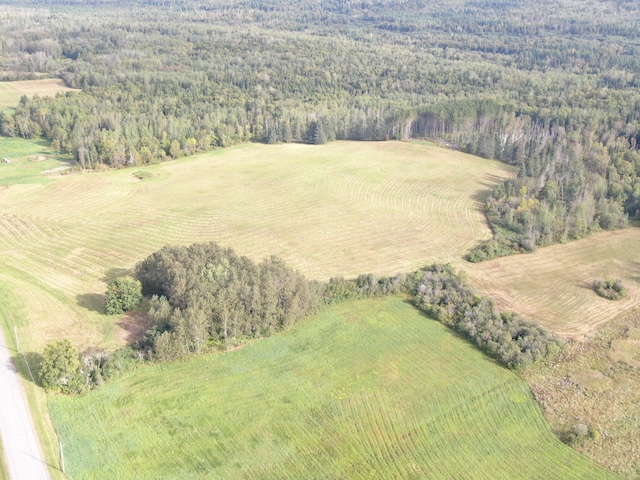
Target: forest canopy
[(550, 87)]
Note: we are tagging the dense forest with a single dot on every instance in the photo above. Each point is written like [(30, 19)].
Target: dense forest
[(551, 88)]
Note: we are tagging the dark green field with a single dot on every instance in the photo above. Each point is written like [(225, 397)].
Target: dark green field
[(370, 389)]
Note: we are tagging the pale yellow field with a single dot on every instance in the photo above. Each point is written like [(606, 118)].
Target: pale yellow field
[(340, 209), (554, 284), (10, 92)]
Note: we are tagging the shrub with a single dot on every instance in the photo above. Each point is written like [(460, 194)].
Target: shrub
[(122, 295), (610, 288), (60, 368), (579, 434)]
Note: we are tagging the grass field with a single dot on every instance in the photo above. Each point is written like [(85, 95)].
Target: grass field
[(369, 389), (28, 160), (11, 92), (338, 209), (554, 285)]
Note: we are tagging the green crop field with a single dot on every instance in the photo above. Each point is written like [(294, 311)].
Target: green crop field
[(554, 285), (11, 92), (369, 389), (31, 161), (339, 209)]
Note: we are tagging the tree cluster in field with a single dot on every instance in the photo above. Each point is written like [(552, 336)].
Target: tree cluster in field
[(205, 293), (123, 294), (579, 434), (204, 296), (610, 288), (64, 369), (551, 89)]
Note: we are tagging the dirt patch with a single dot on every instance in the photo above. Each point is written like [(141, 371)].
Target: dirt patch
[(57, 170), (132, 327)]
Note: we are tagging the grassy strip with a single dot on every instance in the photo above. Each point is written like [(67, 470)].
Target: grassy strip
[(370, 387), (36, 398), (4, 473)]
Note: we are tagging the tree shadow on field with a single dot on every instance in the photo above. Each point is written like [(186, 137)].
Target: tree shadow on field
[(91, 301), (114, 273), (27, 364), (488, 183), (133, 326)]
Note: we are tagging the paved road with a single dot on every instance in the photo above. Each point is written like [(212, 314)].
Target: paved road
[(22, 451)]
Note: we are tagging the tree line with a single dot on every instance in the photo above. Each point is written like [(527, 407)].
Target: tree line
[(204, 297)]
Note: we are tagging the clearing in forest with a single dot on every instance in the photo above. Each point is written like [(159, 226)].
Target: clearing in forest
[(554, 285), (363, 389), (11, 92), (339, 209)]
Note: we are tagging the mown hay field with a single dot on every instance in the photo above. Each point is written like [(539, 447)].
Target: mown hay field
[(11, 92), (368, 389), (554, 285), (339, 209)]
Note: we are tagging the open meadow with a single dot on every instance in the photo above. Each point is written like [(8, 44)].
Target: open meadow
[(11, 92), (599, 378), (339, 209), (554, 285), (334, 210), (368, 389)]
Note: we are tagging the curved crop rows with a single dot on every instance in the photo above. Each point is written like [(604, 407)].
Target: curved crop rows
[(338, 209), (364, 389), (554, 285)]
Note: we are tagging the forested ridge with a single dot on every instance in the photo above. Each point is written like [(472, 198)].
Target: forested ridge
[(551, 88)]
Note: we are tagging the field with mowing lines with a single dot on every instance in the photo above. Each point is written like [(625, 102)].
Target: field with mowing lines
[(554, 284), (339, 209), (11, 92), (369, 389)]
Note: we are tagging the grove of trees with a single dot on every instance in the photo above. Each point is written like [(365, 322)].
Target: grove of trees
[(204, 294), (205, 297)]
